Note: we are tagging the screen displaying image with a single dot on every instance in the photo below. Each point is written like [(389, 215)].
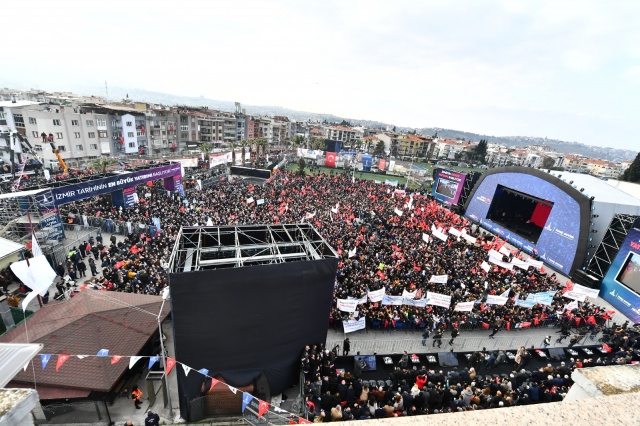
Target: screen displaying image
[(446, 187), (629, 274), (369, 360)]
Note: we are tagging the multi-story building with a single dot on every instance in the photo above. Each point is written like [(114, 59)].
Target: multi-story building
[(342, 134), (447, 148), (413, 145)]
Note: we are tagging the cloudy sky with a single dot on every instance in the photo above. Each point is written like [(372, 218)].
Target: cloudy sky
[(562, 69)]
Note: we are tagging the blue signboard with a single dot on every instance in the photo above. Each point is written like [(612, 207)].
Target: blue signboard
[(367, 160), (70, 193), (621, 284)]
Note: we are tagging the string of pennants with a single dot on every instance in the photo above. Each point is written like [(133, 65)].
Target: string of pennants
[(247, 398)]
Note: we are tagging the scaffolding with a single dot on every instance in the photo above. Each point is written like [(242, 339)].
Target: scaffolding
[(206, 248), (613, 239), (21, 214)]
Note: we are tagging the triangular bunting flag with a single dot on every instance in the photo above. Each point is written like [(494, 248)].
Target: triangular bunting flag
[(103, 352), (232, 389), (115, 359), (263, 407), (133, 360), (213, 383), (246, 399), (62, 358), (44, 358), (203, 371), (186, 369), (153, 360), (170, 364), (25, 367), (82, 356)]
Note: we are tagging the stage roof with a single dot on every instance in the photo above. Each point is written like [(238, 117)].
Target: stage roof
[(598, 188)]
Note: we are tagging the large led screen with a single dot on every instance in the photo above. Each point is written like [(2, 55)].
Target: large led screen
[(558, 240), (621, 284), (448, 186)]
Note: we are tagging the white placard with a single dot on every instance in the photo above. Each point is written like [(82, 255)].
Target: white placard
[(351, 326), (438, 299), (464, 306), (440, 279), (376, 295), (346, 305), (496, 300)]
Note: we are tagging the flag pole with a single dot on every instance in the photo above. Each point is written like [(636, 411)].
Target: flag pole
[(33, 237)]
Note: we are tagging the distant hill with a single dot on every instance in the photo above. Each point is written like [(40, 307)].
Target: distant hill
[(563, 147)]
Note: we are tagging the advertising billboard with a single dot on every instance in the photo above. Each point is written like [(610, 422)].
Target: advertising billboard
[(448, 185), (621, 284), (559, 239)]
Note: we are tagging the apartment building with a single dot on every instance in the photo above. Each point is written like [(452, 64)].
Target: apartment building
[(417, 146), (344, 134), (447, 148)]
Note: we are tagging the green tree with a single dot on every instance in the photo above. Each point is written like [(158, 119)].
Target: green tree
[(632, 174), (103, 163), (261, 142), (379, 149), (206, 149), (301, 165), (233, 146), (548, 162), (480, 152), (243, 144)]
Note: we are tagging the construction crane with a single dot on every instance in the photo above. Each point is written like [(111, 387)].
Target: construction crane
[(63, 165)]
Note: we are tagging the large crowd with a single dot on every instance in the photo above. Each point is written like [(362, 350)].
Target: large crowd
[(390, 252)]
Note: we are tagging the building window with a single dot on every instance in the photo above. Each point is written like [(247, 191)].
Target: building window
[(75, 123), (102, 122), (92, 135), (37, 148), (132, 144), (114, 123), (56, 122), (89, 123), (102, 133), (129, 124), (115, 135), (59, 135), (2, 117), (184, 136), (62, 148), (130, 134), (18, 120), (77, 135), (79, 148), (139, 133), (184, 128), (32, 120), (35, 134), (93, 146)]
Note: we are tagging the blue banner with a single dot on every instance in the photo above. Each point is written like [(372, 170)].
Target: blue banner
[(79, 191)]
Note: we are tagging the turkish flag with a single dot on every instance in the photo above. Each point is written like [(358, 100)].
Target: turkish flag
[(263, 407), (170, 364), (115, 359), (304, 421), (606, 347), (330, 159), (62, 358)]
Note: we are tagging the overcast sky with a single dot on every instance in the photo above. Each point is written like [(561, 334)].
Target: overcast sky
[(561, 69)]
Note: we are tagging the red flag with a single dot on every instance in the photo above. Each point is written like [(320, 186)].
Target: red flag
[(381, 275), (263, 407), (292, 422), (213, 383), (62, 358), (330, 160), (303, 421), (115, 359), (525, 324), (170, 364), (606, 348)]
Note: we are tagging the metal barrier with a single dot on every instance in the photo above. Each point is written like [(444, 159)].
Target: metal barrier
[(75, 235), (87, 412)]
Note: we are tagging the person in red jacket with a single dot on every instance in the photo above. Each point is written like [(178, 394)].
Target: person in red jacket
[(421, 381)]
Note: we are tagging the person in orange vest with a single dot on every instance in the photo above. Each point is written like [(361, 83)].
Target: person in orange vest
[(136, 394)]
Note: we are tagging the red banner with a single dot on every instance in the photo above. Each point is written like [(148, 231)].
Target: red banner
[(382, 164), (330, 159)]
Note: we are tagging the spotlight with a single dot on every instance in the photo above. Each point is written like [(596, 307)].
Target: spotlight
[(581, 189), (595, 231), (559, 176), (595, 215), (590, 238), (592, 246), (592, 223), (592, 198), (571, 183)]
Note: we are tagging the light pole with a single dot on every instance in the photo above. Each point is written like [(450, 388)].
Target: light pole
[(165, 296)]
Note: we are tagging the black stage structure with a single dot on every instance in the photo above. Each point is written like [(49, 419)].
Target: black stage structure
[(245, 301)]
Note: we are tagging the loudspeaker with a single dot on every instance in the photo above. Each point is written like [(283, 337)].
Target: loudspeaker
[(262, 388), (582, 278)]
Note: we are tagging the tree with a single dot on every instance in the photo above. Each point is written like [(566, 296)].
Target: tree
[(206, 149), (244, 144), (632, 174), (481, 150), (261, 142), (548, 162), (301, 166), (379, 149), (233, 146), (103, 163)]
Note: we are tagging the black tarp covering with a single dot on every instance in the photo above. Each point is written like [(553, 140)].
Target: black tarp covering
[(241, 322), (248, 171)]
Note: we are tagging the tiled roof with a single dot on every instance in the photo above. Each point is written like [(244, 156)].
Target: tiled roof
[(90, 321)]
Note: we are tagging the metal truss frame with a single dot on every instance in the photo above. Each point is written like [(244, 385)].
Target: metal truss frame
[(608, 249), (215, 247)]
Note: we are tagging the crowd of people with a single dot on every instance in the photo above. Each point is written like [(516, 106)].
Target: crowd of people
[(390, 251)]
